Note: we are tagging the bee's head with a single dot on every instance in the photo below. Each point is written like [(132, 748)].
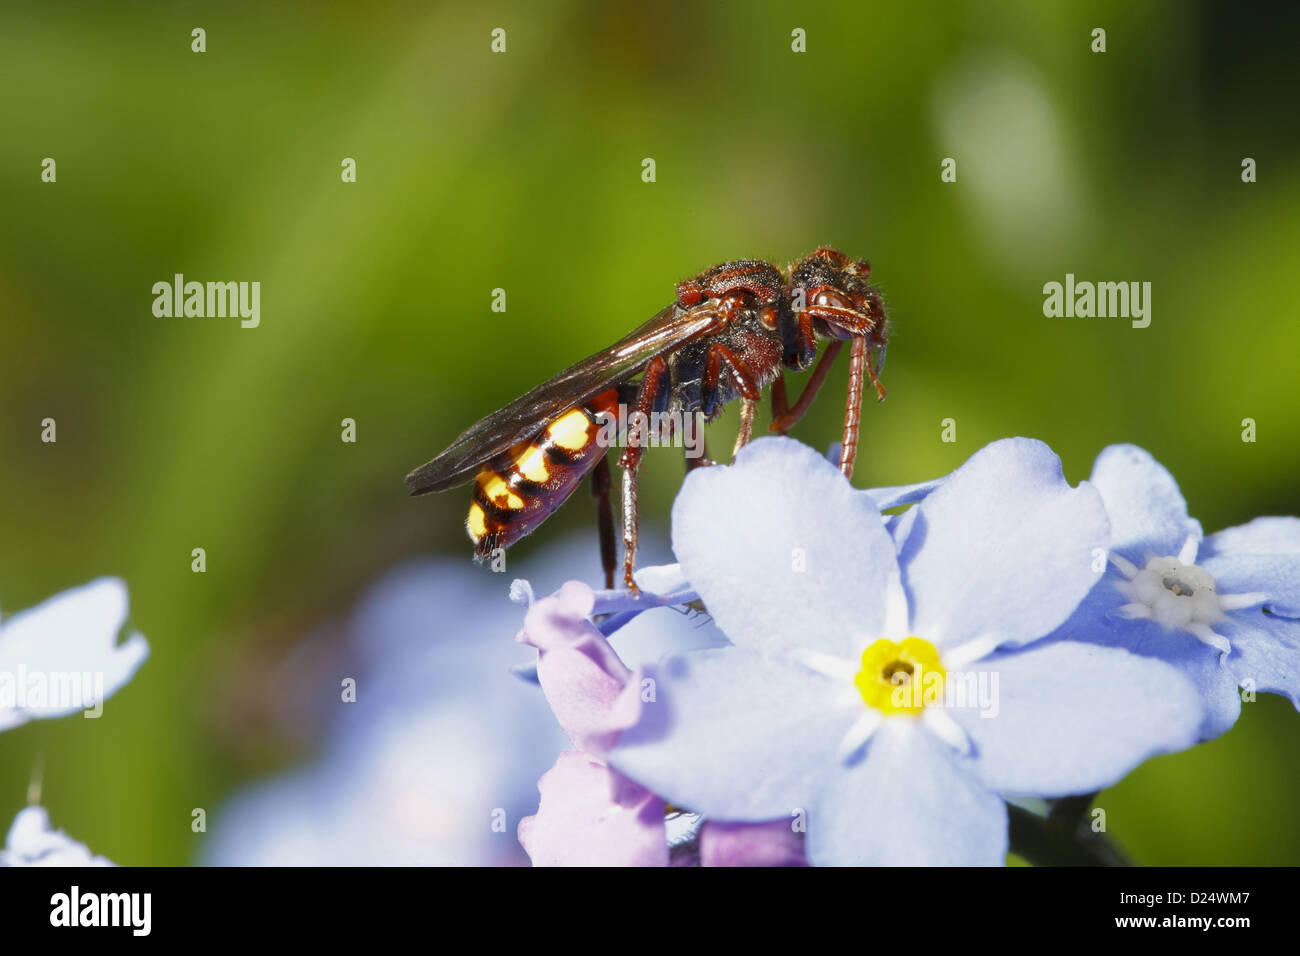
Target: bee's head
[(834, 288)]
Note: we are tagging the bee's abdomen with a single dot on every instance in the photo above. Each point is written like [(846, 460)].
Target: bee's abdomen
[(519, 489)]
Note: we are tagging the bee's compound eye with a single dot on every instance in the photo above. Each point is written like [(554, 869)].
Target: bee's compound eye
[(831, 298)]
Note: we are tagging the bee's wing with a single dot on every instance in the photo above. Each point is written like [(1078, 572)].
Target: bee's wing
[(532, 411)]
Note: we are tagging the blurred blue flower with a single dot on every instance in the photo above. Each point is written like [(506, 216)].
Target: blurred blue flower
[(32, 842), (827, 703), (1224, 610), (438, 759), (63, 655)]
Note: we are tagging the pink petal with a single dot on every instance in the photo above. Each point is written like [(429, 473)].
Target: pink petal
[(590, 815), (774, 843), (582, 677)]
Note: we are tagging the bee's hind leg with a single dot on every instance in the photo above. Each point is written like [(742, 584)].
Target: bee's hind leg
[(697, 449), (654, 384), (601, 484)]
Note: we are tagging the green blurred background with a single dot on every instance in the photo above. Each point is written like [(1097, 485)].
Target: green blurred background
[(523, 171)]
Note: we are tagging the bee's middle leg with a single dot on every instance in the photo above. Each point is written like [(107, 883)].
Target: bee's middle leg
[(654, 386), (785, 415)]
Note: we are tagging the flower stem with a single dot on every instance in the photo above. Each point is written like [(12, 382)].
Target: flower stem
[(1063, 837)]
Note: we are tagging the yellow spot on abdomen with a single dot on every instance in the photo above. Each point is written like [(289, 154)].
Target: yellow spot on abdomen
[(531, 463), (498, 492), (476, 522), (571, 431)]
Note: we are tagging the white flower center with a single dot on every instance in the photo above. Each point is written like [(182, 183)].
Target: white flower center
[(1179, 594), (1175, 594)]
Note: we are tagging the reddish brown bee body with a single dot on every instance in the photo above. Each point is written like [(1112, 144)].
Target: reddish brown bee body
[(731, 332)]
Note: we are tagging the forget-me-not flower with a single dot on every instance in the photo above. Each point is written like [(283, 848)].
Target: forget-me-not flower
[(1224, 609), (886, 685), (33, 842), (63, 655), (437, 760)]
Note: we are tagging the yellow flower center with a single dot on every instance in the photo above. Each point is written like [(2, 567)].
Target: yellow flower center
[(900, 678)]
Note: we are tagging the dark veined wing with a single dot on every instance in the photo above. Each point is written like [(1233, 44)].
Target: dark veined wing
[(530, 412)]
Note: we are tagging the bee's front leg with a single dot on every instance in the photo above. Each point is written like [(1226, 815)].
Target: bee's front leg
[(853, 407), (866, 330)]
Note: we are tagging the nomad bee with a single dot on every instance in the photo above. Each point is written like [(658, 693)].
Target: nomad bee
[(730, 333)]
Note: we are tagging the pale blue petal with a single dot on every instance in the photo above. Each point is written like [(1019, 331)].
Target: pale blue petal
[(670, 630), (900, 527), (33, 842), (69, 645), (1267, 535), (1277, 575), (896, 495), (1148, 515), (1265, 651), (1263, 555), (1097, 622), (660, 585), (735, 735), (1005, 547), (907, 802), (1072, 718), (785, 552)]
